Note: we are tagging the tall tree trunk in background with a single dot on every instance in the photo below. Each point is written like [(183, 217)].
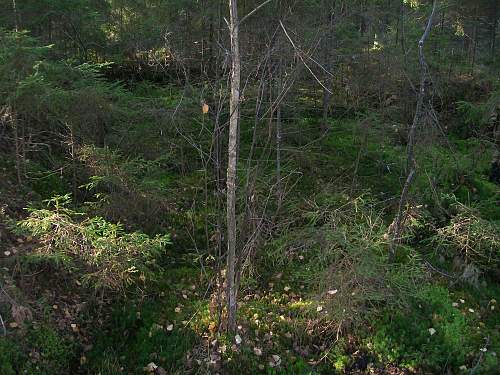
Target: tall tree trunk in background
[(403, 33), (328, 56), (279, 188), (474, 41), (412, 163), (234, 108), (17, 149), (494, 25), (16, 15)]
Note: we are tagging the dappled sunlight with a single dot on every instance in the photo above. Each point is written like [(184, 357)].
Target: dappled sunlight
[(249, 187)]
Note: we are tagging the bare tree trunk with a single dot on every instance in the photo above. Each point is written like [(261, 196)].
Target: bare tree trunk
[(412, 164), (217, 160), (327, 51), (279, 188), (403, 33), (234, 108), (16, 15), (17, 150), (494, 25), (72, 152), (218, 206), (17, 147), (474, 42)]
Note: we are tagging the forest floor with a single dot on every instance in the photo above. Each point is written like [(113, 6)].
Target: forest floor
[(320, 297)]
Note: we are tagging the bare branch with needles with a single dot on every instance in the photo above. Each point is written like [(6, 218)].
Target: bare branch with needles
[(299, 53), (254, 10)]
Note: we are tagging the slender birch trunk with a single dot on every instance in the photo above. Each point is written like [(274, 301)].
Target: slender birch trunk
[(234, 107)]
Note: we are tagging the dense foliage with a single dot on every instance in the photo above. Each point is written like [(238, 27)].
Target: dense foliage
[(113, 152)]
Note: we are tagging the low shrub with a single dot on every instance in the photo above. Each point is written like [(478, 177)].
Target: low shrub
[(341, 257), (469, 237), (112, 258)]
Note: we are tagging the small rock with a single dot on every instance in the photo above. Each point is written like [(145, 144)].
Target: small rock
[(151, 367), (275, 360)]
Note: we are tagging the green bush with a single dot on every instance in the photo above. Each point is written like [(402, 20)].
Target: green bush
[(112, 258), (344, 248), (354, 261), (469, 237)]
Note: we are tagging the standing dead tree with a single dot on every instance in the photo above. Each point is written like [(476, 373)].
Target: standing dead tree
[(397, 225)]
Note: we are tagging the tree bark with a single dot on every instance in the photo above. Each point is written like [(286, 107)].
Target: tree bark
[(234, 107)]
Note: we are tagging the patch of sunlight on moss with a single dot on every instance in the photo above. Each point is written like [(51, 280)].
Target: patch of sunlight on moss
[(300, 305)]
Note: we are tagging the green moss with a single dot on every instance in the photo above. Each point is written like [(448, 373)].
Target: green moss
[(137, 334), (10, 357), (432, 333)]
